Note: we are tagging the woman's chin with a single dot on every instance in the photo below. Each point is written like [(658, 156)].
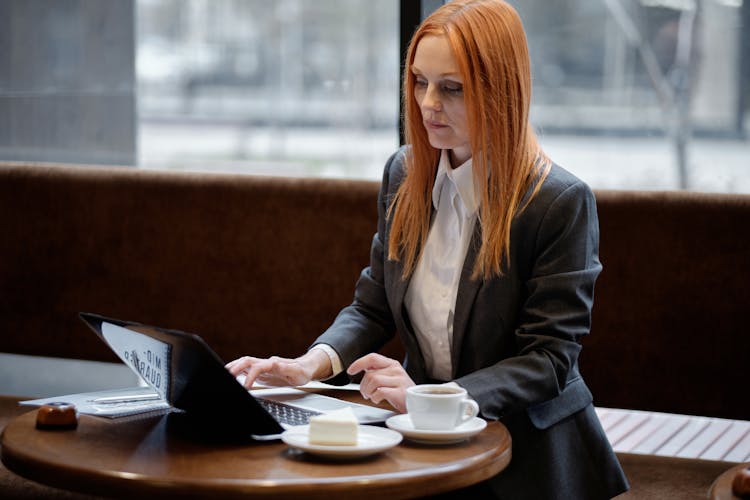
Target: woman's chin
[(439, 143)]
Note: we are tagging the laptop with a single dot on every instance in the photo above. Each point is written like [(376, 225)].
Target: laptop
[(186, 373)]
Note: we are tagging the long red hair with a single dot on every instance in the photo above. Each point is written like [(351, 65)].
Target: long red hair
[(489, 46)]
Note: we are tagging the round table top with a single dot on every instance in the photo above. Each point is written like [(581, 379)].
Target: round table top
[(142, 456), (722, 487)]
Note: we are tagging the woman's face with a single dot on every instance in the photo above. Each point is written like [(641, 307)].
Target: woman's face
[(438, 89)]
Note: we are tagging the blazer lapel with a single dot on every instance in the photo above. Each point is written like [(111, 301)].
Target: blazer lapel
[(467, 292), (397, 291), (398, 288)]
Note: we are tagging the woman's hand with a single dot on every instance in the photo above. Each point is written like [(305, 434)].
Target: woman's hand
[(276, 371), (384, 379)]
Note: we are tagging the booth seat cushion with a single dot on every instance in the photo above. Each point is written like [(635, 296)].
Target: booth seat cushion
[(666, 478)]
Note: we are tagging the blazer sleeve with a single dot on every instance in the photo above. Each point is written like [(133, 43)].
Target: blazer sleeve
[(367, 323), (560, 232)]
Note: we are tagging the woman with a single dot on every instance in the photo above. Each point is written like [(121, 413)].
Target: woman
[(484, 262)]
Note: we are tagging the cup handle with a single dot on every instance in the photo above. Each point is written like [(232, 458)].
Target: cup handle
[(469, 410)]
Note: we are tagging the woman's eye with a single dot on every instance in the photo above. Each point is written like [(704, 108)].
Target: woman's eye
[(420, 83), (452, 89)]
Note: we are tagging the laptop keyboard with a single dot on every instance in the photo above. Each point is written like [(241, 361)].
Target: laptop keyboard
[(286, 414)]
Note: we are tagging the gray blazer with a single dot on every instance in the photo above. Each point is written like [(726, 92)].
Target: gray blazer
[(516, 338)]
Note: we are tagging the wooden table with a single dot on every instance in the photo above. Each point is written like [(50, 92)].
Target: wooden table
[(141, 457), (722, 487)]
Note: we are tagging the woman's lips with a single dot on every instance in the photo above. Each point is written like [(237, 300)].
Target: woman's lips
[(434, 125)]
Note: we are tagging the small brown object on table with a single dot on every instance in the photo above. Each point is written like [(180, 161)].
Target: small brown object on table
[(142, 456), (732, 484), (57, 416), (741, 483)]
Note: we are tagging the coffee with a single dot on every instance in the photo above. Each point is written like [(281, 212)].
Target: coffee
[(437, 391)]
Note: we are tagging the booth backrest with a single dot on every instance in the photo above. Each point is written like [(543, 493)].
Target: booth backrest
[(261, 265), (669, 331)]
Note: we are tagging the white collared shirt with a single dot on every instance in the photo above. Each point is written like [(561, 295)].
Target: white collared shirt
[(431, 296)]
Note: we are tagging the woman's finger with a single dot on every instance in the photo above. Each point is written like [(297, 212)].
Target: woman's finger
[(396, 396), (372, 361), (373, 381), (256, 369), (240, 364)]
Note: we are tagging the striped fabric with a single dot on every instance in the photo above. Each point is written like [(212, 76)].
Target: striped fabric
[(685, 436)]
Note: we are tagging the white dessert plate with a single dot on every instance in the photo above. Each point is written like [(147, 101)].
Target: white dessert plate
[(370, 440), (402, 423)]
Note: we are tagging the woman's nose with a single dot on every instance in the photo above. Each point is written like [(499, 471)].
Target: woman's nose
[(431, 99)]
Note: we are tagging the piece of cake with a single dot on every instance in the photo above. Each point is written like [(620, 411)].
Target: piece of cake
[(338, 428)]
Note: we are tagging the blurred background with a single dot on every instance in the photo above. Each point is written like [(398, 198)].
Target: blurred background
[(628, 94)]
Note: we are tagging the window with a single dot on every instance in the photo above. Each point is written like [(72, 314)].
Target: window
[(290, 87), (628, 94), (643, 94)]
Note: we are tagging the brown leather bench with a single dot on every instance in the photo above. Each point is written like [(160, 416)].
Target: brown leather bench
[(261, 265)]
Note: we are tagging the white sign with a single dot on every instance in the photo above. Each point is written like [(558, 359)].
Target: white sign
[(147, 356)]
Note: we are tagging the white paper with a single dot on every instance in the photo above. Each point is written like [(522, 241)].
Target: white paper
[(110, 403)]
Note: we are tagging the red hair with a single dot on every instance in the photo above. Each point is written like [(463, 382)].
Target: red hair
[(489, 46)]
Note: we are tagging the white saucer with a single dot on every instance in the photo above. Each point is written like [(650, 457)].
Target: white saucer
[(402, 423), (370, 440)]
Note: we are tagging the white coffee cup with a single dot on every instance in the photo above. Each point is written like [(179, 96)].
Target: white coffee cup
[(439, 406)]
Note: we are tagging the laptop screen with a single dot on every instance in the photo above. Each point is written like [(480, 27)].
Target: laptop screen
[(184, 370)]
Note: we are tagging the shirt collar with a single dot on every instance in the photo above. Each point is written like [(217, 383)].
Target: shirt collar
[(461, 177)]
